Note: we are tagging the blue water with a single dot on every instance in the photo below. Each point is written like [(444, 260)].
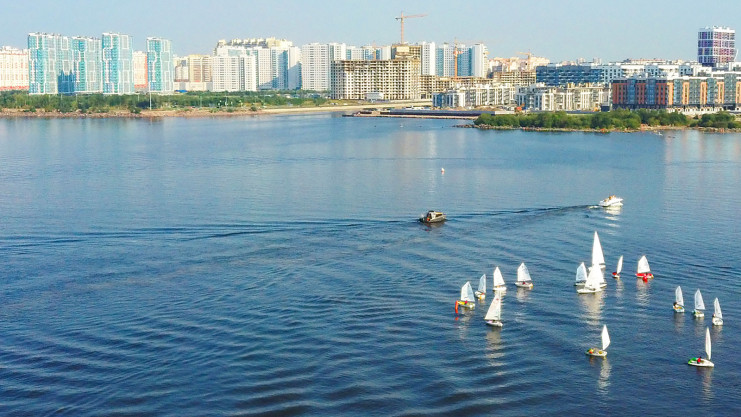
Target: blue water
[(273, 266)]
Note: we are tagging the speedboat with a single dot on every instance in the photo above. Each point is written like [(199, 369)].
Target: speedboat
[(432, 216), (611, 201)]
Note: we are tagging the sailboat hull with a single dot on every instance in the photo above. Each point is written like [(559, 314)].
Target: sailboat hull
[(467, 304), (587, 291), (703, 364), (494, 323), (698, 314), (616, 275), (717, 321), (480, 295), (678, 309), (596, 352), (526, 285), (500, 290)]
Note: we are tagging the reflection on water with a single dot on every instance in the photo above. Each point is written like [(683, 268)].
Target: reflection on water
[(592, 305), (603, 383), (678, 322), (619, 287), (643, 292), (463, 318), (707, 384), (522, 294)]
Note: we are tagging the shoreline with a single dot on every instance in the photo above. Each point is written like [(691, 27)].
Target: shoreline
[(644, 128)]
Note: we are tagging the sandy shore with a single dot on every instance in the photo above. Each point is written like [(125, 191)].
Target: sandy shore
[(202, 112)]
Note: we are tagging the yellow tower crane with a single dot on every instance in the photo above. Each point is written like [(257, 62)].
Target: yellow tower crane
[(401, 20)]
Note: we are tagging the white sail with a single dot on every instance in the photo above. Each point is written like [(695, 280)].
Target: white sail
[(581, 274), (523, 275), (699, 304), (482, 284), (643, 265), (495, 310), (605, 338), (678, 296), (594, 279), (707, 343), (498, 278), (598, 258), (620, 265), (467, 292), (718, 314)]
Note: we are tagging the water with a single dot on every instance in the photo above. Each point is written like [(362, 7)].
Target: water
[(274, 266)]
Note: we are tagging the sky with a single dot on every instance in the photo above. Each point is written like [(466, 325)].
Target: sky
[(555, 29)]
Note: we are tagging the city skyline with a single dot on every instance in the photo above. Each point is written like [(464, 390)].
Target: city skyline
[(557, 30)]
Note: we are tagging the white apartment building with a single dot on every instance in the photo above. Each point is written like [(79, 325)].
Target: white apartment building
[(13, 69), (427, 58), (479, 60), (539, 97), (233, 73), (139, 68), (316, 60), (393, 79), (467, 96)]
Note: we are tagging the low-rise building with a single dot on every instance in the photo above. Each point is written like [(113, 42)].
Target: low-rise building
[(540, 97), (710, 92)]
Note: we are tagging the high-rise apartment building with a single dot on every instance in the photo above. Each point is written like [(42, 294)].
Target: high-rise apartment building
[(427, 58), (234, 73), (13, 69), (716, 45), (86, 61), (316, 60), (160, 67), (49, 64), (393, 79), (117, 68), (139, 69)]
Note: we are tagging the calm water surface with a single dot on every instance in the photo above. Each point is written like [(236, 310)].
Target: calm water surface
[(274, 266)]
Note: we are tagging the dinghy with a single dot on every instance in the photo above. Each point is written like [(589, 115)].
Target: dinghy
[(643, 270), (619, 269), (581, 275), (594, 281), (717, 315), (494, 314), (598, 258), (481, 292), (699, 361), (499, 281), (523, 277), (605, 343), (467, 299), (678, 300), (699, 305)]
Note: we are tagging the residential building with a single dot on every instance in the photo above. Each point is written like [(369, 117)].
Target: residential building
[(540, 97), (316, 60), (712, 91), (428, 59), (160, 67), (479, 63), (139, 69), (716, 45), (49, 64), (86, 61), (393, 79), (13, 69), (234, 73), (117, 71), (476, 95)]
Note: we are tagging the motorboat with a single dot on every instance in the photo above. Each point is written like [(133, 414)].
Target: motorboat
[(611, 201), (432, 216)]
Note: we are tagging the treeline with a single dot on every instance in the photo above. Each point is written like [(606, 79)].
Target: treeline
[(616, 119), (99, 103)]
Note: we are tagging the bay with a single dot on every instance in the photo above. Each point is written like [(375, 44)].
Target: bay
[(273, 265)]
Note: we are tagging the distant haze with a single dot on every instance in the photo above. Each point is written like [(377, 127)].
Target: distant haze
[(558, 30)]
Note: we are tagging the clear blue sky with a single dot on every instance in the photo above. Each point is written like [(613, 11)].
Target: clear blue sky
[(559, 30)]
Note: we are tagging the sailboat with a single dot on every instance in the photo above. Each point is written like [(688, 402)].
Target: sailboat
[(678, 300), (467, 299), (643, 270), (605, 343), (581, 275), (523, 277), (481, 292), (699, 305), (699, 361), (594, 281), (494, 314), (717, 315), (499, 281), (619, 269), (598, 258)]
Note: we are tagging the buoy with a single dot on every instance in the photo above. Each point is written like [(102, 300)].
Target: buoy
[(442, 170)]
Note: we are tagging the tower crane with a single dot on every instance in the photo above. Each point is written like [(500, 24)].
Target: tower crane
[(401, 20)]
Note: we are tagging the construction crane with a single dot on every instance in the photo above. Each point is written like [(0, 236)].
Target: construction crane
[(401, 20), (529, 59)]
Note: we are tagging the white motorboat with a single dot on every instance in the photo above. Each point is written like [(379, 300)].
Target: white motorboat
[(605, 343), (523, 277), (481, 292), (699, 361), (678, 300), (717, 314), (611, 201), (494, 314), (699, 305), (432, 216), (499, 281)]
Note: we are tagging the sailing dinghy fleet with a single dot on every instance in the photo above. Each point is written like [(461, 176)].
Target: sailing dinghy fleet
[(588, 280)]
